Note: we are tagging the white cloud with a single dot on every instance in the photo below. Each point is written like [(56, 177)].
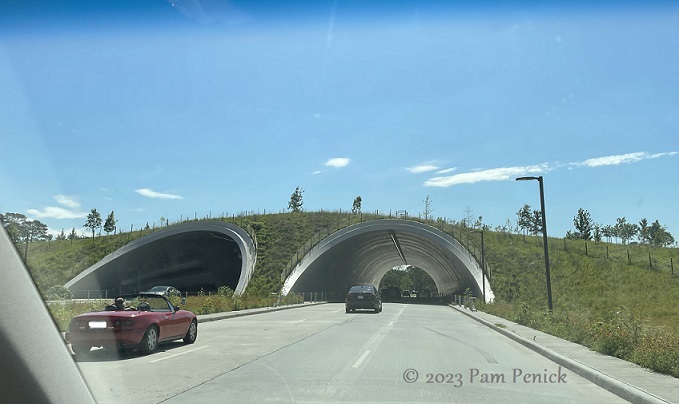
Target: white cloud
[(337, 162), (316, 172), (447, 170), (423, 168), (67, 200), (493, 174), (613, 160), (149, 193), (508, 173), (616, 160), (54, 212), (70, 211)]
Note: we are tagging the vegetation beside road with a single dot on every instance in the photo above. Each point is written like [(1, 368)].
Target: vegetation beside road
[(614, 305), (617, 299)]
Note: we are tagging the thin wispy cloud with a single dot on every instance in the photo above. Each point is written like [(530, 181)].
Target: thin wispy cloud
[(493, 174), (422, 168), (55, 212), (67, 200), (621, 159), (69, 211), (447, 170), (337, 162), (149, 193), (509, 173)]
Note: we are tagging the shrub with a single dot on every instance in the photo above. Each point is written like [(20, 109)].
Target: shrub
[(658, 351)]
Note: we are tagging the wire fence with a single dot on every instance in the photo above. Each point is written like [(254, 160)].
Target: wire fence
[(636, 255)]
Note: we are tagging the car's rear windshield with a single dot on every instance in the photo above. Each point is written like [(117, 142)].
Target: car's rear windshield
[(359, 289)]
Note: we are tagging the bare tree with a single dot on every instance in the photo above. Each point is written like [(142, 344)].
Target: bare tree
[(427, 208)]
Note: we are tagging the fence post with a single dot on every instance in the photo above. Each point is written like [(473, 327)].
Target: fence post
[(650, 262), (671, 266)]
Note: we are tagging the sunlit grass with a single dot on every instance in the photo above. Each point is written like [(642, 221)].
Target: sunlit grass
[(617, 299)]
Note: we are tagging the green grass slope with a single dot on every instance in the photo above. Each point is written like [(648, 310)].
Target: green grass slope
[(616, 299)]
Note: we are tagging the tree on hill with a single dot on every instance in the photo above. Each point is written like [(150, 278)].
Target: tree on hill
[(21, 229), (427, 208), (597, 232), (608, 232), (93, 221), (583, 224), (356, 207), (15, 223), (110, 223), (296, 201), (536, 222), (624, 231), (644, 232), (523, 219), (658, 235), (72, 235), (468, 217), (35, 230)]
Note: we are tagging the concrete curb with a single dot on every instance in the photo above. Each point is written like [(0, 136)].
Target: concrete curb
[(621, 389), (241, 313)]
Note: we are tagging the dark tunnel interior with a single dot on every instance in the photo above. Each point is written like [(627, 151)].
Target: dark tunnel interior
[(188, 261)]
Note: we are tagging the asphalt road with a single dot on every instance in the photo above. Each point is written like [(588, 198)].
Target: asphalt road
[(407, 353)]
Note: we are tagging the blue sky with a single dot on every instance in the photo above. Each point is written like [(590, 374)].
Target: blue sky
[(155, 108)]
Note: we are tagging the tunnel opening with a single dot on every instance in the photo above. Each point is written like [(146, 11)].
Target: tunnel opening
[(410, 284), (364, 253), (191, 261)]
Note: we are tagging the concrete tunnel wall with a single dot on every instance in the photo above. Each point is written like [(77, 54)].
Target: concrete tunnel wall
[(365, 252), (189, 256)]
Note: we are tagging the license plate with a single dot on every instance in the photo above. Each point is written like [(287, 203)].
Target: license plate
[(97, 324), (360, 297)]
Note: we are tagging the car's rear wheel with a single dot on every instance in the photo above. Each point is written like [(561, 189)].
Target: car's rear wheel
[(192, 333), (150, 341)]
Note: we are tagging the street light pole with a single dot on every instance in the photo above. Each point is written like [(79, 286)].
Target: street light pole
[(483, 266), (544, 236)]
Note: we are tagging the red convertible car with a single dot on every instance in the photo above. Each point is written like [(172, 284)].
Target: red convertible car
[(137, 321)]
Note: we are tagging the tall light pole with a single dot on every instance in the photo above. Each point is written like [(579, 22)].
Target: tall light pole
[(544, 236), (483, 266)]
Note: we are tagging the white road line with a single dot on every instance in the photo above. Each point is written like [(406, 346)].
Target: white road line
[(361, 359), (298, 321), (181, 353)]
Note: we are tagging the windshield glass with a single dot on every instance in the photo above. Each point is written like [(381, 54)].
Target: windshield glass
[(510, 159), (361, 289)]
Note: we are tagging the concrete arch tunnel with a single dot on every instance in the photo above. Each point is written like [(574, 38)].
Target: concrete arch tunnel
[(363, 253), (188, 256)]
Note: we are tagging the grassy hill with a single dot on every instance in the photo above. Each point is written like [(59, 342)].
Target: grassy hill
[(616, 299)]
